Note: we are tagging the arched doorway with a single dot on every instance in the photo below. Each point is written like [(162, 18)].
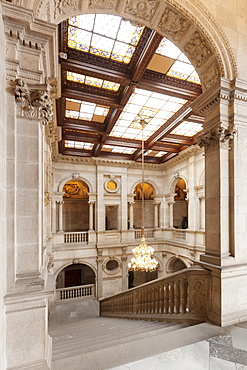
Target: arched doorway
[(74, 281), (180, 206), (148, 206), (75, 207)]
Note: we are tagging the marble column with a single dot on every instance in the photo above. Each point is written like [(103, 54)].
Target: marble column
[(124, 270), (156, 215), (60, 215), (131, 215)]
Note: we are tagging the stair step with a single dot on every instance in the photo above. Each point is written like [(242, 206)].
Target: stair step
[(73, 348)]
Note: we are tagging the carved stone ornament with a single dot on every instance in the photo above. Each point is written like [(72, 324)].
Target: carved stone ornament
[(63, 6), (76, 176), (199, 290), (36, 104), (198, 50), (213, 137), (48, 178), (142, 9), (109, 4), (173, 24), (211, 75)]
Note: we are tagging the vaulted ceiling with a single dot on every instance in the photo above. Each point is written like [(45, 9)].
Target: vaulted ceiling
[(120, 84)]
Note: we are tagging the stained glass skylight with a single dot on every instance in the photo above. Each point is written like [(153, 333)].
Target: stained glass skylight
[(181, 68), (187, 129), (96, 82), (78, 145), (118, 149), (152, 107), (85, 111), (104, 35)]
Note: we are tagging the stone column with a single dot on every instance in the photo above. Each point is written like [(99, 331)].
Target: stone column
[(131, 215), (99, 274), (91, 205), (60, 215), (200, 224), (124, 270), (156, 215), (170, 202)]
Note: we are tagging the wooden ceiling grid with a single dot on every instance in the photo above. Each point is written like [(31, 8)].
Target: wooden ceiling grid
[(129, 76)]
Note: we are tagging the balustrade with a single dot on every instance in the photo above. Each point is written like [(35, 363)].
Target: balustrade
[(181, 297), (76, 292), (79, 237)]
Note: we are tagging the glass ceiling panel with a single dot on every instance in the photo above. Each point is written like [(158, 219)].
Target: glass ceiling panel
[(118, 149), (140, 106), (85, 110), (104, 35), (78, 145), (181, 68), (187, 129), (96, 82)]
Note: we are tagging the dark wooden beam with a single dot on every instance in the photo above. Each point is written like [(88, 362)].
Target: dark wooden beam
[(90, 97)]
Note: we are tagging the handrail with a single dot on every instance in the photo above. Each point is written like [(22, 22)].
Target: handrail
[(180, 297)]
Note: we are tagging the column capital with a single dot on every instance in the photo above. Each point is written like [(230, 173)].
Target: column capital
[(217, 136)]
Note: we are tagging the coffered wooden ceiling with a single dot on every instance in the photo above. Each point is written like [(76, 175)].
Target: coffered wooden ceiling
[(106, 91)]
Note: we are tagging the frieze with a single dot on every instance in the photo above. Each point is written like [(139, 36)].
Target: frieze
[(142, 9), (102, 4), (35, 104), (65, 6), (173, 24), (198, 49)]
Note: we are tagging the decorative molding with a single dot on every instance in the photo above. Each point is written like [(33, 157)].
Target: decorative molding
[(173, 24), (36, 104), (48, 178), (143, 9), (102, 4), (66, 6), (198, 49)]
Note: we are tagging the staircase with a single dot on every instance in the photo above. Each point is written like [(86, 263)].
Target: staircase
[(99, 343)]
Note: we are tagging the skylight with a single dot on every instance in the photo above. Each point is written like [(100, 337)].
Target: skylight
[(86, 111), (78, 145), (152, 107), (104, 35), (181, 68), (92, 81), (118, 149), (187, 128)]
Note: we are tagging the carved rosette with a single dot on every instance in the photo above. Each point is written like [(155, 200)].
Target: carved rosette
[(215, 137), (142, 9), (198, 50), (173, 24), (211, 75), (36, 104)]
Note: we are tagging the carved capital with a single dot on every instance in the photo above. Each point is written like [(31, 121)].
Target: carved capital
[(212, 138), (35, 104)]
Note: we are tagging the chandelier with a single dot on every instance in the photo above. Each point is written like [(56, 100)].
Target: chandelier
[(143, 260)]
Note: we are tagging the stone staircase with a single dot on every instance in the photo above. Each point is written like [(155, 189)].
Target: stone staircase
[(100, 343)]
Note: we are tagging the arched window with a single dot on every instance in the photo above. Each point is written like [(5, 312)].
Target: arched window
[(180, 206), (75, 275), (148, 206), (75, 207)]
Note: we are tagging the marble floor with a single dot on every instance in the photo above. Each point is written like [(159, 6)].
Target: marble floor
[(224, 352)]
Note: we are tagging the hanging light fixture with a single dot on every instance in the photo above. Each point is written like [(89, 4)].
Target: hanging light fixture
[(143, 260)]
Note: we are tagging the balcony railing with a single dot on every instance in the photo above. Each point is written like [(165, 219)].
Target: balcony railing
[(75, 292), (148, 233), (78, 237), (180, 297)]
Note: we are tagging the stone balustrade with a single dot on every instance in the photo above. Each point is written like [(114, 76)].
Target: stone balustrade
[(76, 237), (180, 297), (75, 292), (148, 233)]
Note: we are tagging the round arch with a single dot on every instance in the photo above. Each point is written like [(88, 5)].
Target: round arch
[(175, 264), (174, 181), (72, 178), (191, 28), (75, 274), (151, 183), (69, 263)]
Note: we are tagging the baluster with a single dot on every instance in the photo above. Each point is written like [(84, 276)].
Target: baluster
[(171, 297), (177, 296), (166, 298), (161, 299), (156, 308), (184, 285)]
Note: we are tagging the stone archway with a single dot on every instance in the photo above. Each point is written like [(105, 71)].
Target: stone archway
[(190, 26)]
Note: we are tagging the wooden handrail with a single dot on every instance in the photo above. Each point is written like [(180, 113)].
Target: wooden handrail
[(180, 297)]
